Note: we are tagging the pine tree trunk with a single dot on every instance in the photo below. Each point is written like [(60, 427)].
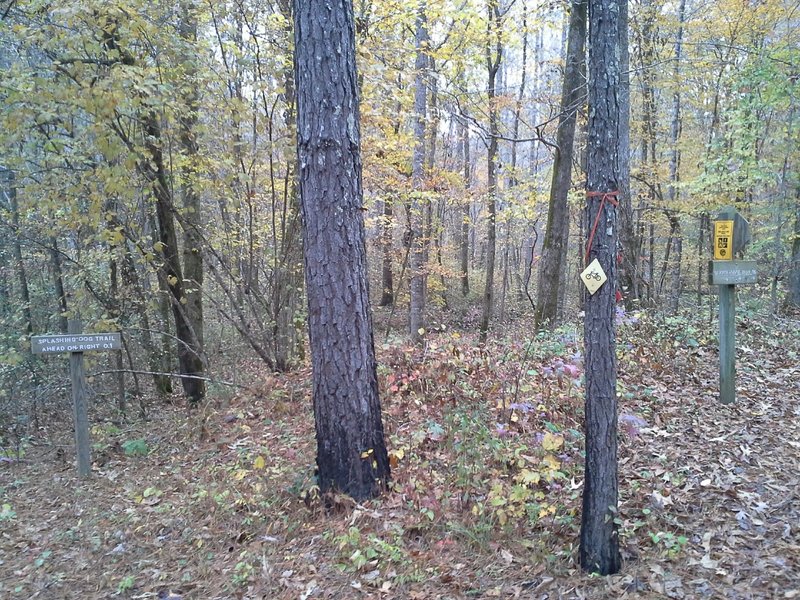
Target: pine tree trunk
[(351, 451), (599, 549)]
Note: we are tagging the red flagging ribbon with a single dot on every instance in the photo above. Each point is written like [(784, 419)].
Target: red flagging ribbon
[(611, 197)]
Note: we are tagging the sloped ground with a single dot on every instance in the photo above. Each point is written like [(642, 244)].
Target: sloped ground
[(486, 449)]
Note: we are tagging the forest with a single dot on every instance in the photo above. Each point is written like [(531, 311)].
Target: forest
[(399, 299)]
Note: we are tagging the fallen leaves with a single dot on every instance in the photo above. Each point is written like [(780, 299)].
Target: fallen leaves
[(485, 500)]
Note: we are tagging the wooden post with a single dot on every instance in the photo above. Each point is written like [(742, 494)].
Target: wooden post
[(731, 236), (727, 345), (78, 378)]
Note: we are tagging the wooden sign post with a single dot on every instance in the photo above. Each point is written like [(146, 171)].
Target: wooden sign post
[(76, 343), (731, 235)]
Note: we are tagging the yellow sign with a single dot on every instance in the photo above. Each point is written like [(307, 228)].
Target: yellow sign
[(593, 277), (723, 240)]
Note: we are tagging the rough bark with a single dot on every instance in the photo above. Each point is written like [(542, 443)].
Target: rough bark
[(554, 245), (351, 451), (599, 548)]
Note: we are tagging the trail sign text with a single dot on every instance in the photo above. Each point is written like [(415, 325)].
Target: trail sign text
[(85, 342), (732, 272)]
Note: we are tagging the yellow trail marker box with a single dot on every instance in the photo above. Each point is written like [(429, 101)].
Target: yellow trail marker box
[(723, 240)]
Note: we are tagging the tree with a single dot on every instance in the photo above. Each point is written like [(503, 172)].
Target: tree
[(192, 214), (793, 297), (599, 540), (417, 252), (8, 193), (494, 56), (351, 451), (554, 251)]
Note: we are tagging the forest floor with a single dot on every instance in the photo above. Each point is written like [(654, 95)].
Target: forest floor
[(486, 449)]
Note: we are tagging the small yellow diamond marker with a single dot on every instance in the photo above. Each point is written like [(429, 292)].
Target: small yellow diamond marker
[(593, 277)]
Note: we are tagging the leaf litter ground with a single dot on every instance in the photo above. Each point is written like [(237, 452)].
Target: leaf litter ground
[(485, 500)]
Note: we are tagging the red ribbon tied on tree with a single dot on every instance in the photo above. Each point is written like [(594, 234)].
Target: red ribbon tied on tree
[(611, 197)]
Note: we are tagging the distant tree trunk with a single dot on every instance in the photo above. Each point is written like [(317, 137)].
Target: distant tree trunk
[(155, 355), (416, 309), (351, 451), (793, 296), (674, 231), (115, 310), (193, 218), (58, 284), (9, 190), (494, 57), (387, 280), (702, 228), (630, 243), (514, 178), (554, 246), (466, 205), (170, 271), (674, 165), (599, 548), (289, 274), (676, 282)]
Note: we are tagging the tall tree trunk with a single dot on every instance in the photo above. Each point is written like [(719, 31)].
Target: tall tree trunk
[(351, 451), (630, 243), (676, 282), (170, 271), (494, 58), (554, 246), (289, 274), (115, 310), (416, 309), (193, 219), (793, 296), (155, 355), (674, 165), (9, 190), (387, 279), (466, 205), (599, 549), (58, 284)]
